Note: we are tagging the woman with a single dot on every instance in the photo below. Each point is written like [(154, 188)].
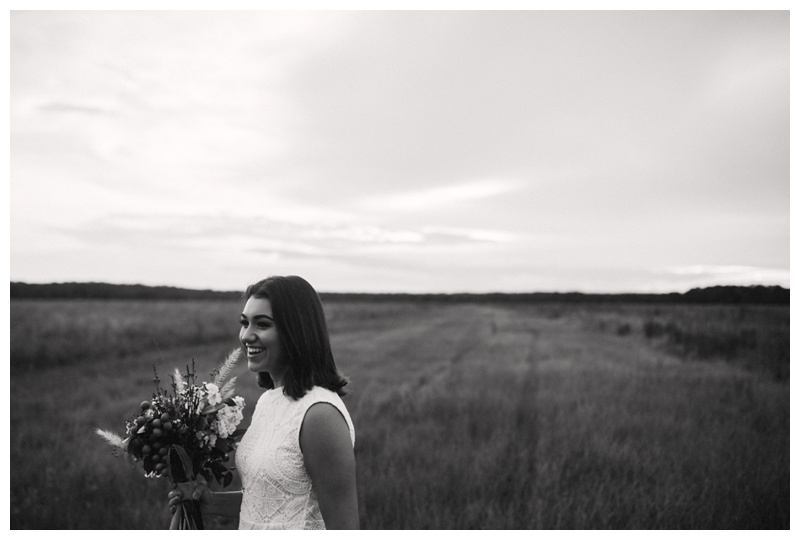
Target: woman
[(296, 460)]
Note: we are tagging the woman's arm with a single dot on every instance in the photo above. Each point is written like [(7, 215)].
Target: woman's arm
[(330, 462)]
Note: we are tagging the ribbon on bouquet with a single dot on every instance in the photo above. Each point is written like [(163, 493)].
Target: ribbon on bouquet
[(187, 514)]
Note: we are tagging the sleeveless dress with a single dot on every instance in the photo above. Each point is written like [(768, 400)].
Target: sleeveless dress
[(277, 491)]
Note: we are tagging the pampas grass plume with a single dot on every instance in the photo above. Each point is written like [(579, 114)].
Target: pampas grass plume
[(180, 382), (114, 440), (229, 388), (226, 368)]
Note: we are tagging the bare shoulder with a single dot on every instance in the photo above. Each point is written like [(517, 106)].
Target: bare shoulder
[(323, 425), (329, 458)]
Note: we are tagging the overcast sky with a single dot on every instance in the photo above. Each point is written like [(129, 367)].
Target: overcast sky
[(401, 151)]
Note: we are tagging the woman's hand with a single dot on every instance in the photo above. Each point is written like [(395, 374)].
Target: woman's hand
[(194, 490), (221, 503)]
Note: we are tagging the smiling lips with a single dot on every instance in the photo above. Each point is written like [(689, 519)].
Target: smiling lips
[(251, 351)]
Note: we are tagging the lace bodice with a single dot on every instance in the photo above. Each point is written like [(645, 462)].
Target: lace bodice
[(277, 489)]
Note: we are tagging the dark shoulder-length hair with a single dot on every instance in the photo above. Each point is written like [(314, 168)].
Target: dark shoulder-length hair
[(300, 322)]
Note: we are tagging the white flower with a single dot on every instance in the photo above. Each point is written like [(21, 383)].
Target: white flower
[(226, 421), (239, 401), (213, 395)]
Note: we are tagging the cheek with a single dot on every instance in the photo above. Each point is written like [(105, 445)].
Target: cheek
[(270, 337)]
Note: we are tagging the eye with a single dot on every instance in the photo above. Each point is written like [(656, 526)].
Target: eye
[(243, 322), (264, 325)]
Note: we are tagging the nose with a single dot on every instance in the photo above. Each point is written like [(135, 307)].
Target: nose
[(245, 335)]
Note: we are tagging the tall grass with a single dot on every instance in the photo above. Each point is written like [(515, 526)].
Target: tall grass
[(71, 332), (756, 337), (501, 417)]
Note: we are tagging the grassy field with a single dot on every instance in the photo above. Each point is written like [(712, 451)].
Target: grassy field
[(467, 416)]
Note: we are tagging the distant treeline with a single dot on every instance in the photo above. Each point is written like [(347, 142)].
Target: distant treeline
[(755, 294), (111, 291)]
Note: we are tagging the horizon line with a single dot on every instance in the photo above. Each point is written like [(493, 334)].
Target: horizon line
[(486, 293)]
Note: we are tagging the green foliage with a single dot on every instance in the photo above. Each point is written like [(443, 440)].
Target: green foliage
[(467, 416)]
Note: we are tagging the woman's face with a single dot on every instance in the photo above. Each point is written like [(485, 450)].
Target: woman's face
[(260, 336)]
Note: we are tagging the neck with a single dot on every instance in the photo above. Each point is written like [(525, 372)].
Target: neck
[(277, 379)]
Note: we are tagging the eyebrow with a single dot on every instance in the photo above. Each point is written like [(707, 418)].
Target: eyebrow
[(259, 317)]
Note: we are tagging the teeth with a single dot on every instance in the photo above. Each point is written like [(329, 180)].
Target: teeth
[(254, 350)]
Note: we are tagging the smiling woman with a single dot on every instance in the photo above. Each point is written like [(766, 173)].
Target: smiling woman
[(288, 315), (296, 460), (259, 335)]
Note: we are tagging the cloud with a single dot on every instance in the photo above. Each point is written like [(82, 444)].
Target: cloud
[(472, 235), (439, 197), (63, 107), (272, 234), (708, 275)]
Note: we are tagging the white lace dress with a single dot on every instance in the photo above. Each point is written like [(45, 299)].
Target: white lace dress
[(277, 489)]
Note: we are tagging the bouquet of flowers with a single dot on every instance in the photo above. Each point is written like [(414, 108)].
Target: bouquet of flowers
[(186, 433)]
